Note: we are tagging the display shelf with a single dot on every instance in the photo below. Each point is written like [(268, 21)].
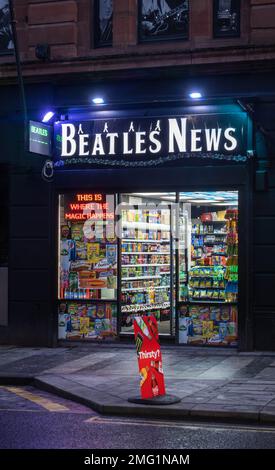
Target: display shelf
[(213, 221), (144, 307), (211, 243), (145, 253), (205, 277), (146, 226), (207, 288), (217, 254), (214, 302), (145, 288), (210, 233), (207, 301), (142, 265), (133, 278), (131, 240)]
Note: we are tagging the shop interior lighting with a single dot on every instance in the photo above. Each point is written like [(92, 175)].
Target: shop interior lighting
[(195, 95), (98, 100), (48, 116)]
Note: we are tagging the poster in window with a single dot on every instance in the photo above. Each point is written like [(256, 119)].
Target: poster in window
[(6, 40), (163, 19), (226, 21), (103, 22)]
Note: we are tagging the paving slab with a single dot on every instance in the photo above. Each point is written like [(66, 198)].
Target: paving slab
[(212, 385)]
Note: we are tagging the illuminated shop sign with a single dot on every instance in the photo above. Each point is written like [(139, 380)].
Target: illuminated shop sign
[(79, 207), (115, 141), (40, 138)]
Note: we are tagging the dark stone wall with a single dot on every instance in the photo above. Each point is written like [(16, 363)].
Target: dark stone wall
[(264, 265)]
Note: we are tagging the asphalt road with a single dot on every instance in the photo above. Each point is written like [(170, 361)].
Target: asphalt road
[(32, 419)]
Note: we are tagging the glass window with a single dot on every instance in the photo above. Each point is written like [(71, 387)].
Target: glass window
[(208, 268), (146, 262), (226, 18), (103, 22), (163, 20), (87, 247), (6, 42), (87, 266)]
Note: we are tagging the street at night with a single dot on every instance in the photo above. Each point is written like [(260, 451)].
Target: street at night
[(37, 420)]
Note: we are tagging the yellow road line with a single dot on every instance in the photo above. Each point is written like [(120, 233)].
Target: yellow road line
[(16, 410), (192, 427), (44, 402)]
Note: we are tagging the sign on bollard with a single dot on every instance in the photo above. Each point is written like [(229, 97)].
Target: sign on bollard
[(149, 357)]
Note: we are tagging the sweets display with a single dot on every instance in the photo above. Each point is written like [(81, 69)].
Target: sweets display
[(145, 264), (199, 253), (210, 287), (231, 274), (214, 325), (78, 320), (213, 271), (88, 251)]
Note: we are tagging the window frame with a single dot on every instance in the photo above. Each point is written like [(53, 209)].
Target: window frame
[(157, 39), (226, 34), (97, 42)]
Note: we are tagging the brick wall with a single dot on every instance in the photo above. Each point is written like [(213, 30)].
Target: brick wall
[(263, 21), (67, 26)]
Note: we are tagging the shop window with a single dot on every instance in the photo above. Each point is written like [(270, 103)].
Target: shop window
[(6, 40), (171, 255), (163, 20), (87, 266), (208, 268), (147, 267), (226, 18), (103, 23)]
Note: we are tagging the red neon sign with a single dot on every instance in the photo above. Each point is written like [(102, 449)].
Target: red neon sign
[(87, 207)]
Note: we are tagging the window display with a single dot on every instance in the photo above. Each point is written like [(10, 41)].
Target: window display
[(88, 247), (177, 254), (208, 269), (87, 253), (226, 18), (163, 19), (78, 320), (145, 261), (103, 22)]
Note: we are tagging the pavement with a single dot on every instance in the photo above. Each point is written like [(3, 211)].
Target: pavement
[(212, 384)]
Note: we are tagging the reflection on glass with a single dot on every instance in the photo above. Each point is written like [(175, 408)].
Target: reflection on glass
[(6, 40), (163, 19), (226, 18), (104, 22)]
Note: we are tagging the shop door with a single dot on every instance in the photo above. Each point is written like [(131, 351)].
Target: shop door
[(146, 260), (207, 266)]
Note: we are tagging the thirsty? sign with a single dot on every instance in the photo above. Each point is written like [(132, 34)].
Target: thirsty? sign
[(149, 357)]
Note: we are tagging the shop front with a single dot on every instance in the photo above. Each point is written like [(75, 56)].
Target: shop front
[(153, 218)]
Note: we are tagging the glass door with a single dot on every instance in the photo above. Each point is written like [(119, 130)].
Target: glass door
[(146, 259), (207, 304)]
